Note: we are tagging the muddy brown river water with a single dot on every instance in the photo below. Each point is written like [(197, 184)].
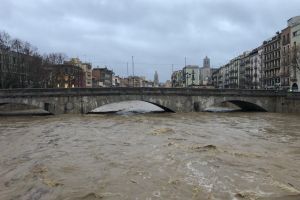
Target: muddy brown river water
[(150, 156)]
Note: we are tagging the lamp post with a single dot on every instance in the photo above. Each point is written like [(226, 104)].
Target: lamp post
[(193, 77), (187, 75)]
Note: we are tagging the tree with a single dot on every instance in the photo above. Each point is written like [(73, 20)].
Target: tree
[(4, 41), (4, 58), (22, 66), (28, 49), (55, 58)]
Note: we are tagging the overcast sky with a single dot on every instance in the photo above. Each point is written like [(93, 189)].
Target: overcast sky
[(158, 33)]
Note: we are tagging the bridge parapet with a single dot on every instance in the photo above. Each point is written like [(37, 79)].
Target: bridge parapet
[(139, 91)]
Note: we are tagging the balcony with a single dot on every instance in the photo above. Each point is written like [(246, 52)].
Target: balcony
[(284, 74), (233, 77), (293, 79)]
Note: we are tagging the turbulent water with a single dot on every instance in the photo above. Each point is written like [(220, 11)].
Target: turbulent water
[(150, 156)]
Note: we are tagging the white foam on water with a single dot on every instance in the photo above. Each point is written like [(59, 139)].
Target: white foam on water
[(220, 109), (202, 180), (129, 106)]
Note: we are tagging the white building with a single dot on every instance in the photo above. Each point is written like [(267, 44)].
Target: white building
[(191, 75), (116, 81)]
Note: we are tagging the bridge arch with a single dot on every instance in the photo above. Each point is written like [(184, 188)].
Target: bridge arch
[(25, 104), (249, 104), (161, 106), (97, 102), (164, 109)]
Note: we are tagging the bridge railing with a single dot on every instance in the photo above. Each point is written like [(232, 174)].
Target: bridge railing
[(140, 91)]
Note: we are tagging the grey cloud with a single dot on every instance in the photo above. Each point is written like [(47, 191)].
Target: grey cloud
[(157, 33)]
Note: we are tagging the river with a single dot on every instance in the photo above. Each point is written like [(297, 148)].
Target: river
[(150, 156)]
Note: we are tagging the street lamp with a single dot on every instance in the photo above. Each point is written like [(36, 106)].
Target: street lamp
[(186, 76), (193, 77)]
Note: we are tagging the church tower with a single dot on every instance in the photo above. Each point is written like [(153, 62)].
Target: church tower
[(206, 62), (156, 81)]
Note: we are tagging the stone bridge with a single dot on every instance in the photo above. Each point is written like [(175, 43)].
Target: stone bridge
[(84, 100)]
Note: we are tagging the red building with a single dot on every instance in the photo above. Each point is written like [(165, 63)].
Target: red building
[(102, 77)]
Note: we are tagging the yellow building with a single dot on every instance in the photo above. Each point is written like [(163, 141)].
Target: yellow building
[(87, 70)]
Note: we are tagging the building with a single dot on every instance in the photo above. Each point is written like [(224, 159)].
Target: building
[(191, 75), (177, 79), (215, 77), (294, 24), (218, 77), (134, 81), (205, 72), (246, 71), (116, 81), (102, 77), (147, 83), (234, 73), (206, 62), (138, 81), (226, 69), (167, 84), (271, 62), (285, 58), (254, 74), (66, 76), (19, 70), (124, 82), (14, 70), (241, 72), (156, 80), (87, 70), (273, 65), (221, 77)]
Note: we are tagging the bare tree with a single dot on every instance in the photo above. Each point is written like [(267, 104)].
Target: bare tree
[(20, 63), (16, 45), (4, 58), (55, 58), (4, 41), (28, 49), (22, 66)]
